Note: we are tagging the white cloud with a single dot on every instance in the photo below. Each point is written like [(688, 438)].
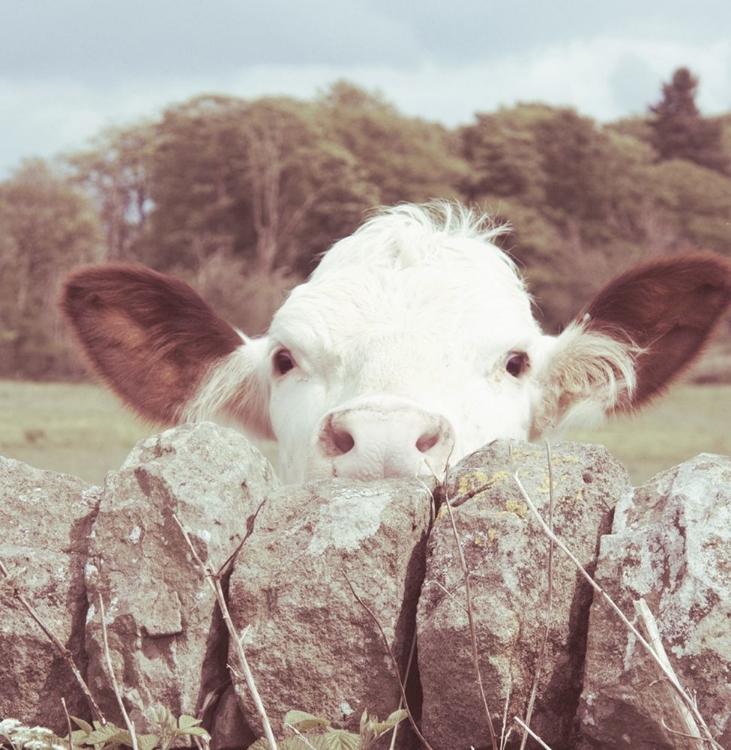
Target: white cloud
[(580, 74), (605, 78)]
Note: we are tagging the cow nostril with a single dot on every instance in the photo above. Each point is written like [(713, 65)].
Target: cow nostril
[(427, 441), (342, 440)]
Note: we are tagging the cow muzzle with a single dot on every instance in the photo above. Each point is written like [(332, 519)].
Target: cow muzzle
[(385, 437)]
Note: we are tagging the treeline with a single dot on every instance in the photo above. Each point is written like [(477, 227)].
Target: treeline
[(240, 197)]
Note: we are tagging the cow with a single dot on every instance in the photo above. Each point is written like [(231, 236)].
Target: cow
[(412, 344)]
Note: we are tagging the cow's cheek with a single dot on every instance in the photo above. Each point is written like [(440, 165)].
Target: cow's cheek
[(487, 414)]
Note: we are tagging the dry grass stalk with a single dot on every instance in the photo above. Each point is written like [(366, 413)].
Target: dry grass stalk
[(668, 673), (301, 736), (68, 724), (250, 522), (529, 731), (692, 730), (505, 731), (694, 737), (214, 581), (456, 601), (202, 743), (115, 685), (389, 650), (471, 621), (402, 703), (67, 655), (549, 605)]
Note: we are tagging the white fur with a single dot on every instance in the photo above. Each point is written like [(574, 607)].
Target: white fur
[(586, 376), (411, 318)]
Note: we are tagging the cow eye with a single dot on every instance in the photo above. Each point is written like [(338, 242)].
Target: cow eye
[(283, 362), (517, 363)]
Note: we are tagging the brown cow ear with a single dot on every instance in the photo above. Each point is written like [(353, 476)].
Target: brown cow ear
[(150, 337), (668, 308), (638, 333)]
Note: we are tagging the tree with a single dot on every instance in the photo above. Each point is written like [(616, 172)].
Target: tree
[(47, 226), (306, 188), (400, 158), (679, 131), (344, 94), (571, 192), (114, 171), (502, 152), (575, 162), (694, 203), (197, 184), (263, 181)]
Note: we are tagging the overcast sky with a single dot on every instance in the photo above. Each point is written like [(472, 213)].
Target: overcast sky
[(68, 68)]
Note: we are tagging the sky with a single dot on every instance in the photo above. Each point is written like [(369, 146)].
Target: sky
[(70, 68)]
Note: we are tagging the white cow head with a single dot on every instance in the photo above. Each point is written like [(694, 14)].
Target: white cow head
[(412, 345)]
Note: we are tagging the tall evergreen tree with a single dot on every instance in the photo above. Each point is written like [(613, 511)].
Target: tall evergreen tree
[(679, 131)]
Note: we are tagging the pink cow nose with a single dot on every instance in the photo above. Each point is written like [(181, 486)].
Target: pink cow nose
[(383, 439)]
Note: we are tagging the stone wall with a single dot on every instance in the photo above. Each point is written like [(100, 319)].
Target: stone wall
[(314, 645)]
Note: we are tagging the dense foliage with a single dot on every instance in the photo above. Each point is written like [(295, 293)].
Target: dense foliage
[(240, 197), (47, 226), (679, 131)]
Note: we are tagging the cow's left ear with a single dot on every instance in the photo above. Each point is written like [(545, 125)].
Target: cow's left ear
[(160, 346), (633, 339)]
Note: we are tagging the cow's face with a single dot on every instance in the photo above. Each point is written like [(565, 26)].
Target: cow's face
[(376, 370), (412, 345)]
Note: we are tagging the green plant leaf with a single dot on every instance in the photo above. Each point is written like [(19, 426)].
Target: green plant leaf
[(379, 727), (186, 722), (337, 739), (123, 737), (165, 718), (147, 741), (291, 743), (78, 737), (371, 729), (107, 733), (304, 722), (396, 717), (298, 743), (194, 732), (82, 725)]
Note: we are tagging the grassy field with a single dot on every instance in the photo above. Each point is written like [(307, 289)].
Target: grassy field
[(77, 429), (80, 429)]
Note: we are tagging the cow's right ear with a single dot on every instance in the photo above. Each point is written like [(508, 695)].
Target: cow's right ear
[(636, 336), (159, 346)]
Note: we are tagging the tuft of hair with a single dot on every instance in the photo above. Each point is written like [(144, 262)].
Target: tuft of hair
[(234, 390), (413, 234), (589, 376), (442, 217)]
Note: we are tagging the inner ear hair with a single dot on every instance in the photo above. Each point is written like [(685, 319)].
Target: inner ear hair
[(149, 336), (589, 374)]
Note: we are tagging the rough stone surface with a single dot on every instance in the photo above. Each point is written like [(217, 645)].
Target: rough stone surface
[(45, 518), (310, 644), (313, 647), (507, 555), (166, 639), (671, 545)]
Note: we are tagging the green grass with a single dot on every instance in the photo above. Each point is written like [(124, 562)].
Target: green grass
[(688, 421), (77, 429), (82, 430)]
